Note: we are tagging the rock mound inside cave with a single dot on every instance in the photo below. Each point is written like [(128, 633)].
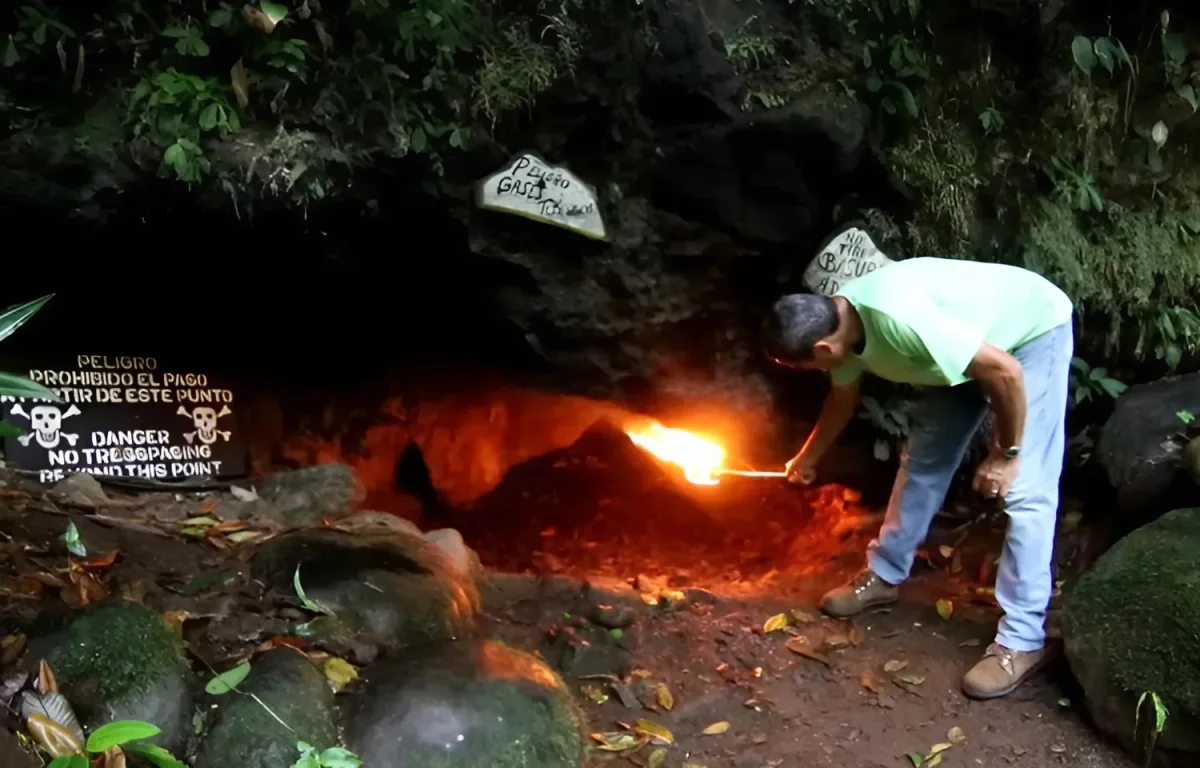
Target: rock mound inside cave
[(1131, 629)]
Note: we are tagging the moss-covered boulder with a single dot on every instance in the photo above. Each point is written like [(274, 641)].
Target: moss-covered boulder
[(121, 661), (246, 735), (390, 590), (1132, 627), (472, 704)]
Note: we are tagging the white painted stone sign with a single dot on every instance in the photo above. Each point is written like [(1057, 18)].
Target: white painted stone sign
[(849, 254), (531, 187)]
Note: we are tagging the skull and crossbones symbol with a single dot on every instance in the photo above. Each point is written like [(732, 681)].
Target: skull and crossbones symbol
[(46, 422), (204, 419)]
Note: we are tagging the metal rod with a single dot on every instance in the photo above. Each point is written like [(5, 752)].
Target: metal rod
[(750, 473)]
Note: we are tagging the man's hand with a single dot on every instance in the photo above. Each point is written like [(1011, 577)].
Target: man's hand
[(800, 470), (996, 475)]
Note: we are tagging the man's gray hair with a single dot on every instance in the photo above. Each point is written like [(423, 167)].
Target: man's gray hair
[(795, 324)]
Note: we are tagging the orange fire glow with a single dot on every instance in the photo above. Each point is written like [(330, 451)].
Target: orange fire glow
[(701, 460)]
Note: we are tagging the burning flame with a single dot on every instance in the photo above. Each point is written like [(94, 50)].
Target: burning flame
[(700, 459)]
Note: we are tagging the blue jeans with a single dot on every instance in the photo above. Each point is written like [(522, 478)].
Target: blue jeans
[(940, 434)]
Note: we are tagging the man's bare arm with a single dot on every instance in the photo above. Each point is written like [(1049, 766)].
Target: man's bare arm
[(836, 413), (1001, 377)]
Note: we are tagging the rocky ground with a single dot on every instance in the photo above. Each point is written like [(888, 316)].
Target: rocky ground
[(650, 602)]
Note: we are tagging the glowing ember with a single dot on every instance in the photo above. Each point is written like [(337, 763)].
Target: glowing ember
[(701, 460)]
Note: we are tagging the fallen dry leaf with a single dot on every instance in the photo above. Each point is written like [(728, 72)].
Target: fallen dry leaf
[(594, 693), (656, 732), (175, 619), (716, 728), (694, 765), (802, 617), (209, 504), (945, 608), (617, 741), (662, 695), (867, 680), (937, 749), (835, 641), (241, 537), (775, 623), (799, 645), (894, 666), (113, 757), (241, 83), (934, 762), (956, 736), (910, 679), (46, 682), (11, 647), (289, 641), (656, 758), (87, 588), (857, 635), (324, 36), (54, 738), (257, 19), (101, 561), (339, 672), (640, 673)]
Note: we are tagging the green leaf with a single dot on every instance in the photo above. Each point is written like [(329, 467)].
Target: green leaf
[(417, 140), (910, 102), (155, 754), (74, 543), (18, 386), (1112, 387), (10, 430), (220, 18), (39, 34), (14, 317), (336, 757), (177, 32), (227, 680), (1084, 53), (1104, 50), (120, 732), (309, 604), (275, 12), (211, 117), (68, 761), (1188, 93), (915, 759), (11, 54)]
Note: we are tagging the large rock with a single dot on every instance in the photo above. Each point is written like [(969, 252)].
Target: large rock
[(389, 589), (1131, 629), (246, 735), (123, 662), (465, 705), (305, 496), (1141, 453)]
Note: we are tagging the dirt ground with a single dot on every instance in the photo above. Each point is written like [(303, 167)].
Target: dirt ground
[(577, 547)]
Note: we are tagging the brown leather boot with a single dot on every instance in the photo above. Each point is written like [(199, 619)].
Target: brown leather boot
[(1001, 671), (866, 591)]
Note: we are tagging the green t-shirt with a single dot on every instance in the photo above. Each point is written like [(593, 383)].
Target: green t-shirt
[(925, 319)]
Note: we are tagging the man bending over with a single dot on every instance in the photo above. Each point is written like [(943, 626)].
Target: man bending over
[(976, 335)]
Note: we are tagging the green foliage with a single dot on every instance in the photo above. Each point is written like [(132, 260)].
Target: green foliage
[(1187, 417), (1175, 56), (339, 86), (1088, 383), (334, 757), (130, 735), (1103, 51), (11, 384), (991, 120), (228, 680), (1075, 187)]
